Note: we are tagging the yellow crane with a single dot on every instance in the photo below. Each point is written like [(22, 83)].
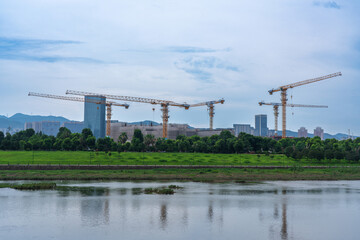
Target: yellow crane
[(210, 105), (163, 103), (276, 109), (108, 105), (283, 90)]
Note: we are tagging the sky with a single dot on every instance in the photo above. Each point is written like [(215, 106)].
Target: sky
[(184, 51)]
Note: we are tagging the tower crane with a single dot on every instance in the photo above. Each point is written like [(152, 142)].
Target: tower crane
[(108, 105), (283, 90), (163, 103), (210, 105), (276, 109)]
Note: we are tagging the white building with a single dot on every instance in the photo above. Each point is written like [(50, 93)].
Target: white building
[(319, 132), (302, 132), (245, 128)]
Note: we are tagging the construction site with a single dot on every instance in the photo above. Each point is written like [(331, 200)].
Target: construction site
[(98, 109)]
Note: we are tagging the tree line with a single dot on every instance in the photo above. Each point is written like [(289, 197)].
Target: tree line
[(225, 142)]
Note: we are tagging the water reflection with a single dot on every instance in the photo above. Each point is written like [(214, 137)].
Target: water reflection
[(95, 211), (163, 216), (284, 230), (210, 212)]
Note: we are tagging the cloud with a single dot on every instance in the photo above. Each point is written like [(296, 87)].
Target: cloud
[(33, 50), (188, 49), (175, 49), (328, 4), (200, 67)]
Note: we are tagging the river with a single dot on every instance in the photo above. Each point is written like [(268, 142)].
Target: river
[(119, 210)]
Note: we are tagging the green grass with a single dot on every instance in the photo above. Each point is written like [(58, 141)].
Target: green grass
[(134, 158)]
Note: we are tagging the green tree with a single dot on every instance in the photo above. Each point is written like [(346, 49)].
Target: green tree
[(329, 154), (75, 144), (352, 156), (220, 146), (316, 154), (199, 146), (149, 141), (29, 132), (160, 144), (339, 154), (66, 144), (57, 145), (289, 151), (239, 146), (104, 144), (86, 132), (226, 134), (63, 133), (137, 141), (184, 145), (91, 142), (138, 135), (2, 136), (47, 144), (22, 144), (123, 138)]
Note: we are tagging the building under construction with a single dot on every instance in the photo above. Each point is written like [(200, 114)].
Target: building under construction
[(174, 130)]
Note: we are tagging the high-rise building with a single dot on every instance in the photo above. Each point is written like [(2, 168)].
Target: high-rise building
[(302, 132), (245, 128), (94, 115), (261, 125), (319, 132), (74, 127), (50, 128)]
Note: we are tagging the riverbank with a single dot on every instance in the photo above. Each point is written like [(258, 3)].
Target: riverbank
[(204, 175)]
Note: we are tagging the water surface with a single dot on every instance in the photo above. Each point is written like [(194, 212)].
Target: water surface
[(119, 210)]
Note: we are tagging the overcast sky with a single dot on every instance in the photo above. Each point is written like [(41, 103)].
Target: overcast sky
[(185, 51)]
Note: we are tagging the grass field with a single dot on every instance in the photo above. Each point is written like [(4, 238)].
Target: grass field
[(149, 158)]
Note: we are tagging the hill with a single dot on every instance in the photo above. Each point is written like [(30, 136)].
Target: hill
[(18, 120)]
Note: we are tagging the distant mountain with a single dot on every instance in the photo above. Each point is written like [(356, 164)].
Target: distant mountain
[(145, 123), (23, 118), (18, 120), (338, 136)]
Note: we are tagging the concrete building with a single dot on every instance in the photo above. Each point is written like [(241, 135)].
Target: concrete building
[(319, 132), (50, 128), (74, 127), (302, 132), (261, 125), (174, 130), (94, 115), (245, 128), (271, 133)]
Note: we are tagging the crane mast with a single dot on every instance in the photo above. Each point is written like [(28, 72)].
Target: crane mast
[(283, 90), (276, 110), (210, 105), (108, 105), (163, 103)]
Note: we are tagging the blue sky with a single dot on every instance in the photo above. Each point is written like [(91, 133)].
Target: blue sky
[(185, 51)]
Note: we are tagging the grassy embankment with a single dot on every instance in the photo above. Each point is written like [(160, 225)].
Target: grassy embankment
[(210, 175), (149, 158), (207, 175)]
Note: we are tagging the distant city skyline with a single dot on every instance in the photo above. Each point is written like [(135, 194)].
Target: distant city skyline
[(167, 50)]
